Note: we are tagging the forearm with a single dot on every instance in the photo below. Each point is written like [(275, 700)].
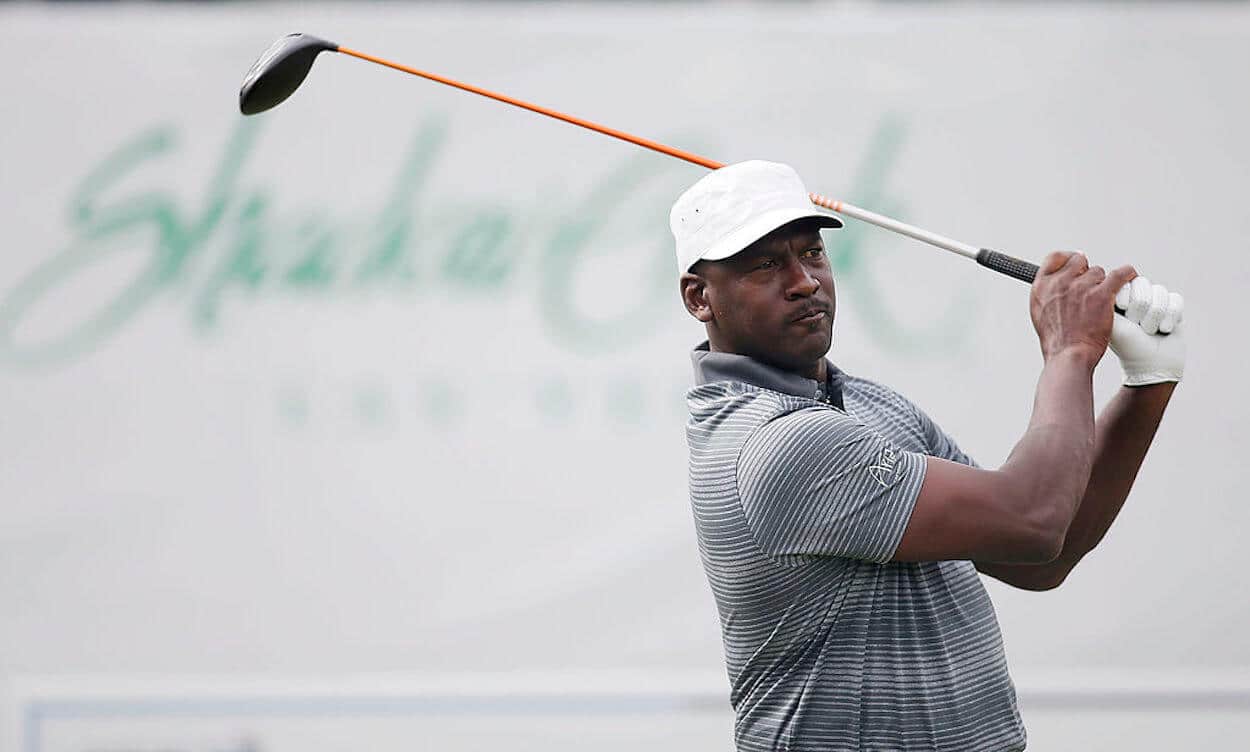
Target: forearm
[(1123, 433), (1049, 469)]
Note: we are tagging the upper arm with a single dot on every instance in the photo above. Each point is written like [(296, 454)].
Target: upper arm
[(815, 482), (963, 512)]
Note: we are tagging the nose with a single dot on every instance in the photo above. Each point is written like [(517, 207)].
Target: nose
[(799, 281)]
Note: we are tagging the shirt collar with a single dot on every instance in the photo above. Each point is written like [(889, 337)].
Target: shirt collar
[(721, 366)]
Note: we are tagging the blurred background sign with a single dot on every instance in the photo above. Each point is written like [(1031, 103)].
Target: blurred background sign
[(388, 382)]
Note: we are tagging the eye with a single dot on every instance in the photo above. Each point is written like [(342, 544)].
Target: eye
[(765, 263), (816, 252)]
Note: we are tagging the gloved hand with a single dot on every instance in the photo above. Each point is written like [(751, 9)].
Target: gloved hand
[(1149, 339)]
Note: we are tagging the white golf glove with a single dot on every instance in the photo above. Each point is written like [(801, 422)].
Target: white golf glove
[(1148, 338)]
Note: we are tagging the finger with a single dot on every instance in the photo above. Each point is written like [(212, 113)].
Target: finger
[(1076, 265), (1158, 307), (1172, 318), (1054, 262), (1094, 276), (1118, 280), (1140, 295)]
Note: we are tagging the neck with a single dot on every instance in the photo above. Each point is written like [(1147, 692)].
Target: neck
[(817, 371)]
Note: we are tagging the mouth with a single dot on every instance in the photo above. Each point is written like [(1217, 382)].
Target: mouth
[(811, 316)]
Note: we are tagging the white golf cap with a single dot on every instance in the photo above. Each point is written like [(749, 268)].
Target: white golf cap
[(731, 208)]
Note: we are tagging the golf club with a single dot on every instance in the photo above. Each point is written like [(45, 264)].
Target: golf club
[(284, 66)]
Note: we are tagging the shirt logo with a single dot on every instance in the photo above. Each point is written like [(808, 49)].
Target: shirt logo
[(883, 470)]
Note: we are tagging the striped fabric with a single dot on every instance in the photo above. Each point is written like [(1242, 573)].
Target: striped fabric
[(799, 507)]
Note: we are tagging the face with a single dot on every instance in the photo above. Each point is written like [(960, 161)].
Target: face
[(774, 301)]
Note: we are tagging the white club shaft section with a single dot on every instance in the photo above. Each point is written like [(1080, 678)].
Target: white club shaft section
[(893, 225)]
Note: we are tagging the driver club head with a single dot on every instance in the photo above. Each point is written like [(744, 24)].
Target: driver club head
[(279, 71)]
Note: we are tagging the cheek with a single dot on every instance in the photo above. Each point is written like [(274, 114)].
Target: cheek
[(730, 315), (725, 305)]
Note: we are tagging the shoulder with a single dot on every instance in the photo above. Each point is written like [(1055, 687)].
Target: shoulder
[(734, 401), (877, 392), (819, 481), (810, 420), (884, 406), (899, 416), (801, 439)]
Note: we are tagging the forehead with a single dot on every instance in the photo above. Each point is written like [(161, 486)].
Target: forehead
[(796, 237)]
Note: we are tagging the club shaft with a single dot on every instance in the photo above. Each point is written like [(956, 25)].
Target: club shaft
[(893, 225), (840, 207), (711, 164)]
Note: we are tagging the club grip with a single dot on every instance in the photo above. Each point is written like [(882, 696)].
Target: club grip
[(1009, 265)]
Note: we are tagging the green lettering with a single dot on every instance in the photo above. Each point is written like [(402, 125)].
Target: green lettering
[(243, 266), (106, 230), (479, 257), (568, 261), (389, 259)]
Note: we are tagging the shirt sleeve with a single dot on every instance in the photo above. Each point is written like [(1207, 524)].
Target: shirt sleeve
[(816, 482)]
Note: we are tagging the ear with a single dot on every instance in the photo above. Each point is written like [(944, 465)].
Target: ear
[(694, 295)]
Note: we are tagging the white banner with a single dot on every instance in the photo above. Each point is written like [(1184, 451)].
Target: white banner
[(391, 378)]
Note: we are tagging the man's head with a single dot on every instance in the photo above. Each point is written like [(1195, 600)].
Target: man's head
[(754, 270)]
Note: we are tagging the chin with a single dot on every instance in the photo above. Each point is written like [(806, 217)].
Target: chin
[(800, 359), (816, 347), (814, 355)]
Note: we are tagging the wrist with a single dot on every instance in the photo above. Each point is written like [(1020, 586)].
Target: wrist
[(1163, 384), (1160, 390), (1081, 356)]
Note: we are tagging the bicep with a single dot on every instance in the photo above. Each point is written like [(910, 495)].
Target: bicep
[(964, 512)]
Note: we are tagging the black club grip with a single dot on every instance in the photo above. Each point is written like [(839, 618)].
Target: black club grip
[(1014, 267), (1009, 265)]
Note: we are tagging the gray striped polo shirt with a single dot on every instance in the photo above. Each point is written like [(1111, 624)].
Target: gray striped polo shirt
[(799, 507)]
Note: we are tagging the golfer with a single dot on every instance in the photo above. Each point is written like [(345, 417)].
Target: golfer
[(841, 529)]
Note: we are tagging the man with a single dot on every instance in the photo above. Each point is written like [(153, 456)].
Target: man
[(841, 530)]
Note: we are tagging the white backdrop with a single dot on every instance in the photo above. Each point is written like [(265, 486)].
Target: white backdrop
[(390, 378)]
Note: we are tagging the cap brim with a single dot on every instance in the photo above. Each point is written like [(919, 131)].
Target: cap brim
[(759, 226)]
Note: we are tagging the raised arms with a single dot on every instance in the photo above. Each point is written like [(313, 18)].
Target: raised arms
[(1021, 512), (1123, 433)]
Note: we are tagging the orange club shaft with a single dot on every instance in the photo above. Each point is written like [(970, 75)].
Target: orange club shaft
[(711, 164)]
